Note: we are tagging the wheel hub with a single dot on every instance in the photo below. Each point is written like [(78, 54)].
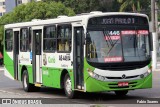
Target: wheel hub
[(68, 86), (25, 81)]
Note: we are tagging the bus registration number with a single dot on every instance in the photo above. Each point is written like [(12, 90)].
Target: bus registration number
[(122, 84)]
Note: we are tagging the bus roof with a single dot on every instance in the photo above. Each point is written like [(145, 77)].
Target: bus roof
[(68, 19)]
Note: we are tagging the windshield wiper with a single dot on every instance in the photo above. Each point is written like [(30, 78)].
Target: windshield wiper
[(109, 38), (110, 41), (112, 47)]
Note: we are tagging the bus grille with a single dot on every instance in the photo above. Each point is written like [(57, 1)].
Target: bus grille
[(128, 77)]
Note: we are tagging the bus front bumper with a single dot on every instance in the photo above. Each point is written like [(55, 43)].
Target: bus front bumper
[(93, 85)]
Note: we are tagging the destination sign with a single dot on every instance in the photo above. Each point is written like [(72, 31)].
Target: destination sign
[(118, 19)]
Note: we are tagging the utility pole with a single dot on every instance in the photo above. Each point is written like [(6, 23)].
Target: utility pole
[(154, 36), (157, 29)]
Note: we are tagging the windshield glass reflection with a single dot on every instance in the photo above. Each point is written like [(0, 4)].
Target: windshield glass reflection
[(117, 46)]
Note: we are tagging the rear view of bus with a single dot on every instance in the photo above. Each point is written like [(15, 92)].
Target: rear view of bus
[(118, 53)]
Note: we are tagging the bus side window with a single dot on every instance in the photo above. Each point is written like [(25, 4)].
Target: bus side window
[(30, 43), (64, 38), (49, 38), (24, 40), (9, 40)]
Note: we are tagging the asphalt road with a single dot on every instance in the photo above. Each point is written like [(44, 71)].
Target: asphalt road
[(13, 89)]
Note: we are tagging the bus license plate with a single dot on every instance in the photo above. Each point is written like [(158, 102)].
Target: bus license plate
[(122, 84)]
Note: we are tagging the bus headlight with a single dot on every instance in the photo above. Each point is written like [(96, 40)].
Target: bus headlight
[(101, 78), (94, 75), (149, 71), (146, 73), (91, 74)]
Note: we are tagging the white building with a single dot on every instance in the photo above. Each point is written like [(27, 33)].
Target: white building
[(8, 5), (2, 7), (26, 1)]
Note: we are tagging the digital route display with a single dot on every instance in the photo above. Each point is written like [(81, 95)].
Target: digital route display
[(118, 20)]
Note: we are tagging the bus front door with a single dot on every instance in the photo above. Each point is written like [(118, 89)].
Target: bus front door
[(78, 57), (16, 54), (36, 56)]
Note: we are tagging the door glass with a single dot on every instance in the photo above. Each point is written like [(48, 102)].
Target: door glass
[(79, 55), (38, 43)]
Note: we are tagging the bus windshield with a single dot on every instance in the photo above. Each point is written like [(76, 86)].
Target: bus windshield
[(106, 46)]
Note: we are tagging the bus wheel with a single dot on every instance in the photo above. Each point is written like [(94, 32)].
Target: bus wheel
[(68, 87), (26, 85), (121, 93)]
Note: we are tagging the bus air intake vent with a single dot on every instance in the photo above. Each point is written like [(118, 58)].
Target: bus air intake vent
[(128, 77)]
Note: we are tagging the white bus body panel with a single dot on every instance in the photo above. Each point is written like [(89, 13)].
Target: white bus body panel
[(109, 73)]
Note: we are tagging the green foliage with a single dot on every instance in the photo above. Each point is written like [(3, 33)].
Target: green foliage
[(158, 4), (37, 10), (84, 6), (141, 6), (129, 3), (34, 10), (134, 5)]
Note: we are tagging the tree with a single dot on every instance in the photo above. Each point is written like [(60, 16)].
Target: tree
[(134, 5), (84, 6), (79, 6), (34, 10)]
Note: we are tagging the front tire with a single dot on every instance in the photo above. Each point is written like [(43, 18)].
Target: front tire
[(25, 82), (68, 87), (121, 93)]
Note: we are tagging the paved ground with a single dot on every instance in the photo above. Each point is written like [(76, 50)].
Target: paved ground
[(158, 66), (13, 89)]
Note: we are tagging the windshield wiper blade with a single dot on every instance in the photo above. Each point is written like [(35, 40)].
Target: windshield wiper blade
[(107, 41), (109, 38), (112, 47)]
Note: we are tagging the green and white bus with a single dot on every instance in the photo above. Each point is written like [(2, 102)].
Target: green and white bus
[(92, 52)]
